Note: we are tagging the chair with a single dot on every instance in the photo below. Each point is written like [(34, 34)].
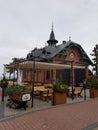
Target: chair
[(78, 91), (46, 95)]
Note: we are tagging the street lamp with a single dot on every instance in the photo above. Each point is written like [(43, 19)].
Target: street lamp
[(84, 86), (72, 79), (33, 79), (53, 82)]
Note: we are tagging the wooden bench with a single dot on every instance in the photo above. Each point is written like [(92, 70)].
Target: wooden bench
[(48, 85), (69, 93), (78, 91)]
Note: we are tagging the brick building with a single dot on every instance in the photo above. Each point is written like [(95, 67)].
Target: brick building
[(67, 53)]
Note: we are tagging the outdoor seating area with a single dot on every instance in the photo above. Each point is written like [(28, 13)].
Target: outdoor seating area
[(38, 104), (43, 92), (19, 99), (42, 99)]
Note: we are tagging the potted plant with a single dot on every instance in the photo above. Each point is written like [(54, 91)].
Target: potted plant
[(18, 95), (16, 92), (59, 92), (92, 84)]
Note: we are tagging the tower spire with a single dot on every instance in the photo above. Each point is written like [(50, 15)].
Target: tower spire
[(52, 41)]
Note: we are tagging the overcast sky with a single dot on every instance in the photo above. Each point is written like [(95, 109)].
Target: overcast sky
[(26, 24)]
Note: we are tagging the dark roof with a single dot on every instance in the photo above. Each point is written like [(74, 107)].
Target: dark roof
[(48, 52)]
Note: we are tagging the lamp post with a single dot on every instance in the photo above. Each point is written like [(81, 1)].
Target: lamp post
[(53, 82), (33, 80), (84, 87), (33, 77), (72, 79)]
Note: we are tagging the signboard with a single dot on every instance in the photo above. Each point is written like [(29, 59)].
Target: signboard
[(26, 97)]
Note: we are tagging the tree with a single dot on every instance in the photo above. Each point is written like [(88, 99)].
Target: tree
[(15, 61), (95, 60)]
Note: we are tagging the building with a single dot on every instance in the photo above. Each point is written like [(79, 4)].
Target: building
[(68, 53)]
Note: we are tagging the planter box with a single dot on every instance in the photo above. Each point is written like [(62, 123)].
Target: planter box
[(21, 99), (93, 93), (59, 98)]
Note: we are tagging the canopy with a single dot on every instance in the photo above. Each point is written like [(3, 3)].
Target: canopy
[(42, 65)]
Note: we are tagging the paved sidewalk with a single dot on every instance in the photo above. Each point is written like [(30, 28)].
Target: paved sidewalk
[(77, 116)]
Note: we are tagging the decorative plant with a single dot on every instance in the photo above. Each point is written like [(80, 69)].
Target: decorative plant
[(60, 87), (16, 89), (92, 82)]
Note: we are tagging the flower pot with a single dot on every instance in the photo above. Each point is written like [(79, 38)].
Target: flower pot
[(93, 93), (20, 99), (18, 96), (59, 98)]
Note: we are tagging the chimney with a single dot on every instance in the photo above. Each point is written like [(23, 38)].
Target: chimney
[(64, 42)]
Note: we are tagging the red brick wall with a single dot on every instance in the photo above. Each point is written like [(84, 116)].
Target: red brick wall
[(77, 54), (40, 75)]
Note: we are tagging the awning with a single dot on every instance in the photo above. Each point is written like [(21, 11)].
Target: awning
[(42, 65)]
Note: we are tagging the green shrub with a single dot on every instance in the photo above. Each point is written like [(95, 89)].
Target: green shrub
[(16, 89), (60, 87), (92, 82)]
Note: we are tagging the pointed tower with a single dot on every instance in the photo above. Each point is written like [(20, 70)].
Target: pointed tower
[(52, 41)]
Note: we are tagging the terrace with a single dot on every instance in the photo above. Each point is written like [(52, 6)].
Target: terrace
[(39, 104)]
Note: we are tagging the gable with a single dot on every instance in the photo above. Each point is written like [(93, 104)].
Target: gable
[(73, 51), (74, 54)]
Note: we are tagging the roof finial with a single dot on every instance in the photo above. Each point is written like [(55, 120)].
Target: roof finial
[(52, 26), (70, 38), (52, 41)]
